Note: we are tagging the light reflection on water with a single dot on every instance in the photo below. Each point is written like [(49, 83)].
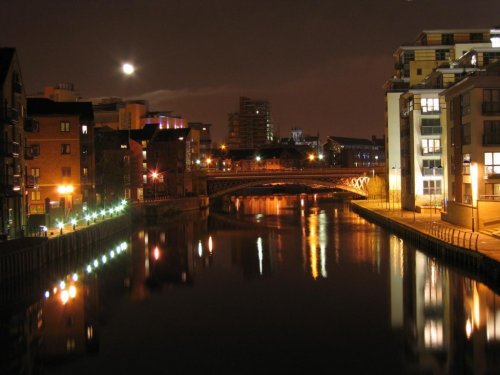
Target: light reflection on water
[(273, 265)]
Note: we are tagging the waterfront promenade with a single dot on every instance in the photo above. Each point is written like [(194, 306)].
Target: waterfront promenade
[(430, 224)]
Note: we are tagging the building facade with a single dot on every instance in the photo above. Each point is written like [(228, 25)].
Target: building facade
[(473, 107), (252, 125), (13, 176), (63, 162), (415, 114)]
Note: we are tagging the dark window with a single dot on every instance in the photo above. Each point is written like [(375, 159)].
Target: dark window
[(419, 71), (442, 54), (66, 171), (447, 39), (65, 149), (476, 37), (466, 136), (465, 104), (491, 134), (35, 150)]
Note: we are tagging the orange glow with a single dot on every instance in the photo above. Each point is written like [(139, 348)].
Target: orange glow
[(64, 297), (156, 253)]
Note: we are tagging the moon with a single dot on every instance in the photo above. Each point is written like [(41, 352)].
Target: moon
[(128, 69)]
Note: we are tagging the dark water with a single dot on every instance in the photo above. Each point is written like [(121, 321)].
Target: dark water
[(276, 286)]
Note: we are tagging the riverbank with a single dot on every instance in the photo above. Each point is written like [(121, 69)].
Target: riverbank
[(473, 252)]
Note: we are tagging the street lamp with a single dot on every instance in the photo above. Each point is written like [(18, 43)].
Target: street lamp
[(473, 180), (154, 175)]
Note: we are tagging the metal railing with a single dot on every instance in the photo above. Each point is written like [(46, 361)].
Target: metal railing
[(454, 236)]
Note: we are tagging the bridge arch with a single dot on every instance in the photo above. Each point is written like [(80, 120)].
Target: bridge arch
[(355, 185)]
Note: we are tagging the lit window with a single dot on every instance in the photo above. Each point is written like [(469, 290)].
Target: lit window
[(84, 129), (65, 126), (35, 195), (429, 105), (492, 163)]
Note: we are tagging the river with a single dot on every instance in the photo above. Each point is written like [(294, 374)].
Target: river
[(280, 284)]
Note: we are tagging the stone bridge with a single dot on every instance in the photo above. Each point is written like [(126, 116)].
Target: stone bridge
[(349, 179)]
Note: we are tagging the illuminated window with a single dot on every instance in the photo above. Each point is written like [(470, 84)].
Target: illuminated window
[(84, 129), (431, 146), (85, 171), (35, 195), (492, 163), (432, 187), (429, 105), (35, 172), (65, 126)]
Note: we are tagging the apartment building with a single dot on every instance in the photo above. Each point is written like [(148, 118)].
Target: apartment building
[(473, 107), (251, 126), (13, 124), (416, 142), (63, 163)]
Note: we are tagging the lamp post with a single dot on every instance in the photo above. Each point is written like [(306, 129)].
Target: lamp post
[(154, 175), (473, 180)]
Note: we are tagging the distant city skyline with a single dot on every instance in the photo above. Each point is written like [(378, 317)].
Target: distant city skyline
[(320, 64)]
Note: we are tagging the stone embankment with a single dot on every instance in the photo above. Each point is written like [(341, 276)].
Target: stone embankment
[(478, 254)]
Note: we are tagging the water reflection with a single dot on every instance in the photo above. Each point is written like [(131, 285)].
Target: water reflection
[(272, 266)]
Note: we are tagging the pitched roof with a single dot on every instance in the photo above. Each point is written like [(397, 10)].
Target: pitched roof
[(6, 55), (44, 106)]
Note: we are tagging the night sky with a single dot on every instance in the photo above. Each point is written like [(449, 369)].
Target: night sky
[(321, 63)]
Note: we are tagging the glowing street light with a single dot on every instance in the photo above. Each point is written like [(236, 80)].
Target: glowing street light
[(154, 176), (473, 180)]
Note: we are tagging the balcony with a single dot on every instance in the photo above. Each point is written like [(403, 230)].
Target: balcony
[(12, 116), (491, 108), (430, 130), (11, 149)]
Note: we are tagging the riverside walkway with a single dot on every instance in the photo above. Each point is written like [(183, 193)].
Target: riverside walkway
[(430, 225)]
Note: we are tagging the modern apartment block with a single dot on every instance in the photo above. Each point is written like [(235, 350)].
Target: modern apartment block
[(63, 160), (13, 123), (415, 113), (252, 125), (473, 107)]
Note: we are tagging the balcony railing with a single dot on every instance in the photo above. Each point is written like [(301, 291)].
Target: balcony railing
[(12, 116), (491, 108), (429, 130)]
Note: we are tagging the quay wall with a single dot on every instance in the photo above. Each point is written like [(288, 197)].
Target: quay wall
[(170, 207), (468, 260), (25, 256)]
